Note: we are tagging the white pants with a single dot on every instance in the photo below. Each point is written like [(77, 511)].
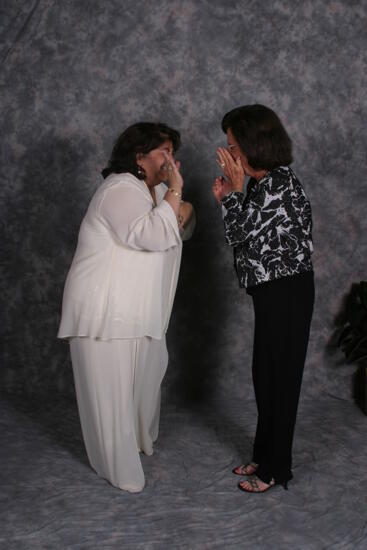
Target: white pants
[(118, 392)]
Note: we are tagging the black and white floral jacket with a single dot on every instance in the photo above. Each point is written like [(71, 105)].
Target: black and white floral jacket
[(269, 228)]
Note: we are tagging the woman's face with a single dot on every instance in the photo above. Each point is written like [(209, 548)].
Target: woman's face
[(154, 163), (236, 152)]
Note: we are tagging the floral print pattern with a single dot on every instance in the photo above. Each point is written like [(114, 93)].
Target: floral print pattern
[(270, 228)]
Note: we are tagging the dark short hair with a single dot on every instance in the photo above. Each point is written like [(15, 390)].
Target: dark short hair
[(141, 137), (260, 135)]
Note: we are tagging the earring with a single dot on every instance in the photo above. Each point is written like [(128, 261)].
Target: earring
[(141, 171)]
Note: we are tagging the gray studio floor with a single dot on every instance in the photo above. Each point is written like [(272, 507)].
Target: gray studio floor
[(50, 499)]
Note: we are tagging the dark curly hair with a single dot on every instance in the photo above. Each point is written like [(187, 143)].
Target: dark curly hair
[(141, 137), (260, 135)]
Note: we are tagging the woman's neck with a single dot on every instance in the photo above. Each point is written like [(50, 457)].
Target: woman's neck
[(259, 174), (152, 192)]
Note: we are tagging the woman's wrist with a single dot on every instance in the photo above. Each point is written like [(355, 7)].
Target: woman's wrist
[(176, 192), (237, 187)]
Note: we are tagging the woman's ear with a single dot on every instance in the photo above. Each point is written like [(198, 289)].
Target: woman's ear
[(139, 156)]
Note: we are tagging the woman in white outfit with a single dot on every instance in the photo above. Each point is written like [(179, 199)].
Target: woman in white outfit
[(118, 299)]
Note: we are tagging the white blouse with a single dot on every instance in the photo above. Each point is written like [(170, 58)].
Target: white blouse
[(124, 274)]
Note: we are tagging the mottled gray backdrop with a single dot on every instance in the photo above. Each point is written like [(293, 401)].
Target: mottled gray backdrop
[(74, 74)]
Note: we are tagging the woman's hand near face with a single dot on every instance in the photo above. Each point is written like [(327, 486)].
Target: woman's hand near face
[(175, 183), (221, 188), (174, 178), (232, 169)]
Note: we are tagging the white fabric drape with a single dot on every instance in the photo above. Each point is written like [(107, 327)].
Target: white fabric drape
[(118, 392), (117, 303), (123, 277)]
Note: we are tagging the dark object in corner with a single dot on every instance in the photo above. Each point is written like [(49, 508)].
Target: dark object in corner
[(353, 337)]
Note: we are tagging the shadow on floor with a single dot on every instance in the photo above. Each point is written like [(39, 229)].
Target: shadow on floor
[(57, 417)]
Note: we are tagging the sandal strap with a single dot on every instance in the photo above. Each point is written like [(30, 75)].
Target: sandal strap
[(255, 487), (244, 467)]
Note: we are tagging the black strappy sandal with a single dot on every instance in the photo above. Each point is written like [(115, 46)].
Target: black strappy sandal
[(246, 469), (255, 487)]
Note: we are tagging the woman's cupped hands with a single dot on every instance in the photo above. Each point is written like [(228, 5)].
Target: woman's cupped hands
[(234, 174)]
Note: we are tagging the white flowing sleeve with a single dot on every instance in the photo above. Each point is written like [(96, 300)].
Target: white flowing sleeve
[(135, 223), (187, 232)]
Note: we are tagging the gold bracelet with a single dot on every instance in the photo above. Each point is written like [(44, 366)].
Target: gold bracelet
[(176, 193)]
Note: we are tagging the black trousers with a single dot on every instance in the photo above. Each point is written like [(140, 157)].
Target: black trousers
[(283, 312)]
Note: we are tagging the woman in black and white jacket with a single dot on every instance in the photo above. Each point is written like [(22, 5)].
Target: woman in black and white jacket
[(270, 231)]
